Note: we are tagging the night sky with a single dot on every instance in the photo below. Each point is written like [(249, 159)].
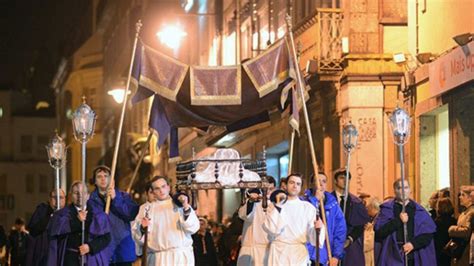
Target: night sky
[(34, 36)]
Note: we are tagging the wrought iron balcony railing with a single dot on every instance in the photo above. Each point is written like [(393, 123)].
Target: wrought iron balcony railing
[(320, 38), (330, 39)]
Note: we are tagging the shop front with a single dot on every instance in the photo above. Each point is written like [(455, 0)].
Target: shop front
[(444, 123)]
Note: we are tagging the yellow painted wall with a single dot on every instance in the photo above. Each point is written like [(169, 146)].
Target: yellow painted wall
[(395, 39), (441, 20), (422, 92)]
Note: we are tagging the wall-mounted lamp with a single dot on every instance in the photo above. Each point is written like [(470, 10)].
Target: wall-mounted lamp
[(424, 58), (463, 39), (399, 58)]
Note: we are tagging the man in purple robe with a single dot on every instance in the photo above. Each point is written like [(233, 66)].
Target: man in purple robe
[(65, 232), (356, 217), (38, 242), (389, 231), (123, 211)]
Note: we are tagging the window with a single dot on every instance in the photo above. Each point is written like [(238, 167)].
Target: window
[(30, 183), (283, 163), (277, 165), (43, 185), (26, 144)]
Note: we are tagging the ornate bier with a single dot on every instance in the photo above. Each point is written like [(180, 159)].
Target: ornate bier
[(222, 170)]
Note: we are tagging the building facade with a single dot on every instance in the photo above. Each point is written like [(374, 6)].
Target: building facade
[(25, 174), (440, 95)]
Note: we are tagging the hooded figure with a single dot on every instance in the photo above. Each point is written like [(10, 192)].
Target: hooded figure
[(389, 231), (38, 243), (123, 211), (65, 232)]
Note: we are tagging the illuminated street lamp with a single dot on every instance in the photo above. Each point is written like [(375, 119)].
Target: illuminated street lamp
[(118, 94), (349, 137), (56, 150), (83, 123), (399, 123), (171, 36), (349, 142)]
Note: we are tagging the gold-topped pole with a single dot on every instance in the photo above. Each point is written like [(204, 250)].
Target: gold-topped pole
[(138, 26), (308, 126)]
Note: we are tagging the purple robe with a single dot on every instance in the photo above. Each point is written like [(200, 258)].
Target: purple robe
[(390, 254), (356, 215), (59, 228), (38, 244)]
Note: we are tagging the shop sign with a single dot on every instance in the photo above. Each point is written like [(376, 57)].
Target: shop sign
[(451, 70)]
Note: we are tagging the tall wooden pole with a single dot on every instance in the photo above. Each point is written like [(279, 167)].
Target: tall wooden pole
[(290, 159), (308, 126), (122, 116), (139, 163), (237, 32)]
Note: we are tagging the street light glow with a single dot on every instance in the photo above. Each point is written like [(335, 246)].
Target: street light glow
[(171, 35), (118, 95)]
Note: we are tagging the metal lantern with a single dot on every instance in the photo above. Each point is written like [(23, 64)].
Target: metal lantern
[(400, 123), (349, 137), (56, 150), (83, 122), (349, 142)]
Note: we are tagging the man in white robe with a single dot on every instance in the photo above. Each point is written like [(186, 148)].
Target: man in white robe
[(291, 225), (169, 227), (255, 241)]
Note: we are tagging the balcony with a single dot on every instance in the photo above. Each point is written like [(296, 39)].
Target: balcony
[(319, 38)]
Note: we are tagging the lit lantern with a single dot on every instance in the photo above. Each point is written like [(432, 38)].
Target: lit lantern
[(83, 122)]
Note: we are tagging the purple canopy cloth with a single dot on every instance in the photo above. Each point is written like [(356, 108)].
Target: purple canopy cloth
[(238, 100)]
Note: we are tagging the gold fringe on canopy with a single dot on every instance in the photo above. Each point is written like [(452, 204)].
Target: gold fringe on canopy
[(216, 85), (270, 68), (160, 73)]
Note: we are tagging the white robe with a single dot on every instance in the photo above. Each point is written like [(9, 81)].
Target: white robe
[(255, 241), (169, 235), (291, 229)]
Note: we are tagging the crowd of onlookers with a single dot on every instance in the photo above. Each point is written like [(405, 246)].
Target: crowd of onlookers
[(13, 247)]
